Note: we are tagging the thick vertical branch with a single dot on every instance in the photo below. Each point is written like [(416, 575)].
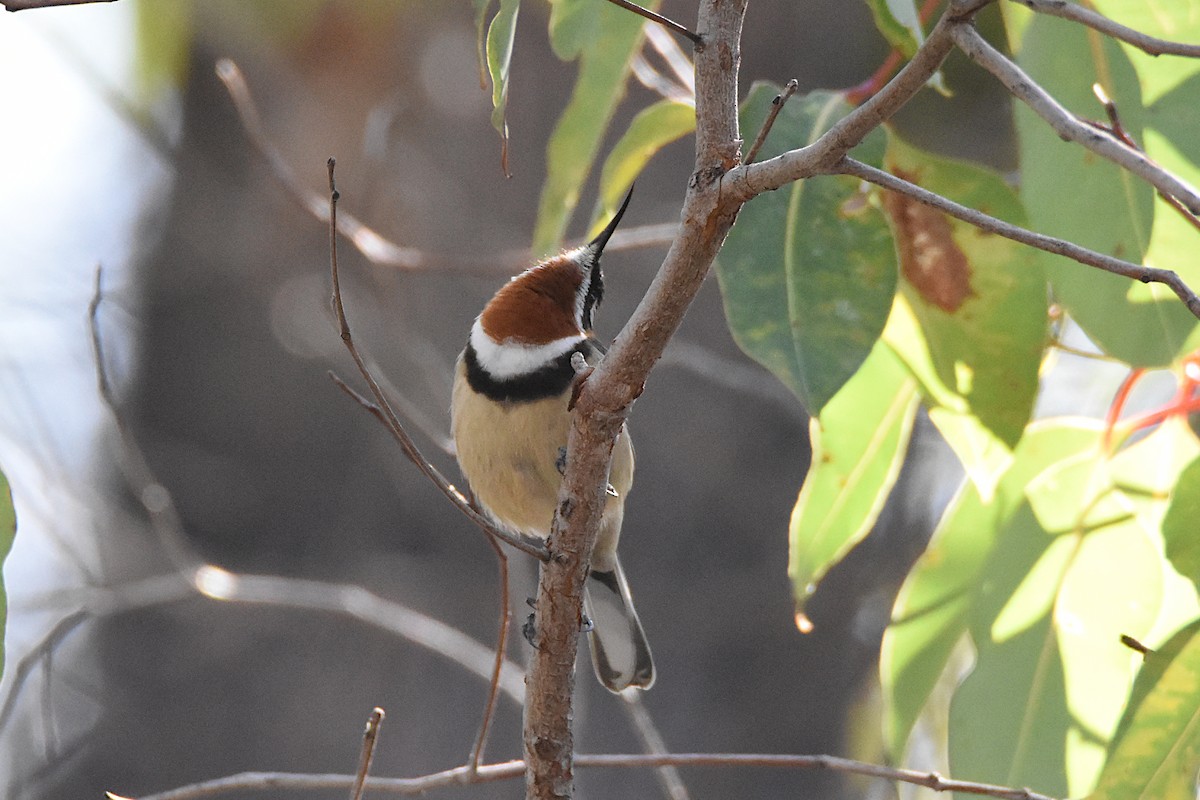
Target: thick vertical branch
[(609, 393)]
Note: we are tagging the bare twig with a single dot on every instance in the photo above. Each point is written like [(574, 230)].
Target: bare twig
[(153, 496), (384, 412), (1118, 130), (1077, 12), (777, 103), (750, 180), (661, 20), (367, 754), (1050, 244), (1066, 125), (507, 770), (489, 706)]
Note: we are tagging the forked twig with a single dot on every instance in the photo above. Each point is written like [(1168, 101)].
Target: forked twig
[(1065, 124), (383, 411)]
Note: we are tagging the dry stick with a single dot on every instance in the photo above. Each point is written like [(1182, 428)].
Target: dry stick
[(370, 736), (489, 706), (661, 20), (1065, 124), (789, 89), (525, 544), (370, 243), (507, 770), (1050, 244), (1086, 16)]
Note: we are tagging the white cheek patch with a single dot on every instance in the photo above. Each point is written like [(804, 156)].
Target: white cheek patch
[(511, 360)]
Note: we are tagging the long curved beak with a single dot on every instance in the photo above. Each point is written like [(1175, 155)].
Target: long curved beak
[(597, 245)]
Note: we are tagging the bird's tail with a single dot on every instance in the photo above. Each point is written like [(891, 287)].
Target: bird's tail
[(620, 652)]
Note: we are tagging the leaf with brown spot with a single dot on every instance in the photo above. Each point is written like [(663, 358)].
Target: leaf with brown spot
[(930, 260)]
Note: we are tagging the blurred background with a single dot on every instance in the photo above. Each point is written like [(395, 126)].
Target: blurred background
[(125, 154)]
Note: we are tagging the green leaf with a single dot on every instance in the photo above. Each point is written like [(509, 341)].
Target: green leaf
[(651, 130), (931, 610), (604, 38), (1156, 753), (1077, 566), (1071, 193), (808, 273), (858, 446), (1180, 525), (500, 36), (899, 23), (8, 531)]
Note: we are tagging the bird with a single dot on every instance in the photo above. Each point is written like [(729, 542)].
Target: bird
[(510, 415)]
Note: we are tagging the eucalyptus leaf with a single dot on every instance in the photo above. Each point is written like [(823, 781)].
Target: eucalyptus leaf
[(858, 445), (808, 273), (603, 38)]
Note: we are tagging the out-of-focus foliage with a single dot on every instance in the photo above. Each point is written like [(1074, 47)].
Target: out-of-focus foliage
[(8, 531), (1067, 533)]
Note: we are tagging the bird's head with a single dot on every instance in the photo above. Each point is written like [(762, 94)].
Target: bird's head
[(544, 312)]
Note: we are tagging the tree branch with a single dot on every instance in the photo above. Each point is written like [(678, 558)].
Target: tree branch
[(252, 781), (751, 180), (1050, 244), (606, 398), (1092, 19), (1066, 125)]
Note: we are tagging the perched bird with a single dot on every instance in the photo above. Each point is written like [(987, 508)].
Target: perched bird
[(509, 415)]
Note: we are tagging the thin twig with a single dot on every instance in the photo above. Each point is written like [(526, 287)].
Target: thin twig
[(1050, 244), (789, 89), (746, 181), (1077, 12), (489, 706), (152, 495), (367, 754), (660, 19), (384, 411), (1065, 124), (1118, 129), (507, 770)]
